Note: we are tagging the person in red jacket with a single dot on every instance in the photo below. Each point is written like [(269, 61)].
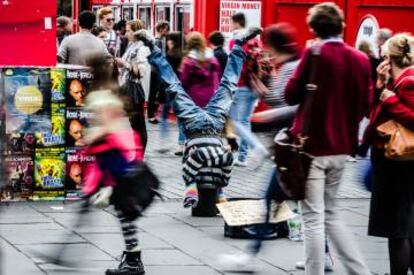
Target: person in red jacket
[(392, 201), (342, 77)]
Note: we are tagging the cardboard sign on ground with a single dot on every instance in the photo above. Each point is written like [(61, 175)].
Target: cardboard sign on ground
[(247, 212)]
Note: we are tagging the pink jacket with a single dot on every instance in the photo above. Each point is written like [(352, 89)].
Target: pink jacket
[(200, 77), (127, 142)]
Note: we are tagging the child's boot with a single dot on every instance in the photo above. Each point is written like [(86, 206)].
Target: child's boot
[(131, 264)]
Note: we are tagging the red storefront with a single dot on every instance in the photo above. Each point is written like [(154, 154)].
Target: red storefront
[(397, 15)]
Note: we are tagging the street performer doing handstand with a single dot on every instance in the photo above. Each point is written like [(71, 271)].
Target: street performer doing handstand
[(206, 160)]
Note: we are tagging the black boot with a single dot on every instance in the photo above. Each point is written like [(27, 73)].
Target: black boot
[(131, 264), (250, 34), (146, 38)]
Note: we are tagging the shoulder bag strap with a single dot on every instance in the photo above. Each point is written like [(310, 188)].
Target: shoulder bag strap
[(311, 89)]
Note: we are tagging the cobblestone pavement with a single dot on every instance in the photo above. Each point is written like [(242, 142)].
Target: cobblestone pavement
[(244, 182)]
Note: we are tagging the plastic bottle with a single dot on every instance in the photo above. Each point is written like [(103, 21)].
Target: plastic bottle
[(295, 227)]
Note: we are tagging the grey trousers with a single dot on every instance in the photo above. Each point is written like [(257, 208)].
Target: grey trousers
[(321, 216)]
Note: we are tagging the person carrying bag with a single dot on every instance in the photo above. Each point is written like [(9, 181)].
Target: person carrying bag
[(390, 135)]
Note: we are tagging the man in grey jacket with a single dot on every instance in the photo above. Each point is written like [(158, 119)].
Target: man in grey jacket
[(76, 48)]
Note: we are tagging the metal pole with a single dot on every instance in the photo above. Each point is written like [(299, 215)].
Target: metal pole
[(75, 15), (153, 16)]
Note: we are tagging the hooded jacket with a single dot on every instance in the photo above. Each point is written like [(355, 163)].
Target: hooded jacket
[(200, 73)]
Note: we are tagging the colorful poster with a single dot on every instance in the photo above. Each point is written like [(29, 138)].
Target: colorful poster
[(20, 143), (19, 181), (77, 84), (57, 134), (76, 121), (76, 161), (58, 85), (49, 174), (27, 100)]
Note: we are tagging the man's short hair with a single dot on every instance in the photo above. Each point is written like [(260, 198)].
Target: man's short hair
[(63, 21), (87, 20), (216, 38), (162, 25), (102, 12), (240, 19), (326, 20)]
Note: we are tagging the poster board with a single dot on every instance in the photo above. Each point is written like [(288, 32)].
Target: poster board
[(248, 212), (44, 118)]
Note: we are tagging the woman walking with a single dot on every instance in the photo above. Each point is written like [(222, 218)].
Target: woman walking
[(132, 66)]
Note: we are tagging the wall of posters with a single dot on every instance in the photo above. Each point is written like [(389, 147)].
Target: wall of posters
[(44, 122)]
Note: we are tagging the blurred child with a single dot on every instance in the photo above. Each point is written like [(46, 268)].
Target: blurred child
[(117, 149)]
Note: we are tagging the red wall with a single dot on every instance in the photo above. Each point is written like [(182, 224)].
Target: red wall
[(397, 15), (24, 38)]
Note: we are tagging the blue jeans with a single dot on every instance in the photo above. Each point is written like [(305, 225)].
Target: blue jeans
[(198, 121), (241, 111), (181, 136)]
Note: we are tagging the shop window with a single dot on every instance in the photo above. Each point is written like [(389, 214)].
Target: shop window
[(144, 14), (162, 14), (183, 18), (65, 7), (127, 13)]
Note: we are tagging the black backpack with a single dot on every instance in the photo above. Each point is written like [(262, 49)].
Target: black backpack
[(135, 190)]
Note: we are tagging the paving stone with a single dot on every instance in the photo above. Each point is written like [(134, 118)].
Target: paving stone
[(182, 270), (14, 262), (93, 267), (81, 253), (36, 236), (113, 244)]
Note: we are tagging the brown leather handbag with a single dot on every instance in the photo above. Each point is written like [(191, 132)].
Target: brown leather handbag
[(400, 144)]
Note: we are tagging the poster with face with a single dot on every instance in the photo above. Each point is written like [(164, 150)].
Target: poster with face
[(76, 161), (76, 122), (49, 174), (19, 180), (77, 84), (27, 94)]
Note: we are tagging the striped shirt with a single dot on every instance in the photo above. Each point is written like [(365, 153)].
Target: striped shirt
[(275, 98), (207, 162)]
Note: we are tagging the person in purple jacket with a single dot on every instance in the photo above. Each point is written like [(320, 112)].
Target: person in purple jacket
[(199, 74)]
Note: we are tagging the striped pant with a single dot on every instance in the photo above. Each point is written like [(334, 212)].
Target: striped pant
[(129, 231)]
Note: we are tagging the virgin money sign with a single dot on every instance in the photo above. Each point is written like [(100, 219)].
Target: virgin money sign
[(251, 9), (28, 32)]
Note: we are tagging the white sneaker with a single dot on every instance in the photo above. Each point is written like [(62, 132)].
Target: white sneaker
[(237, 262), (329, 264), (239, 163)]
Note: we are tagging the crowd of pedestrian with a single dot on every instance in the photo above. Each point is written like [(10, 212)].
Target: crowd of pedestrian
[(213, 84)]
